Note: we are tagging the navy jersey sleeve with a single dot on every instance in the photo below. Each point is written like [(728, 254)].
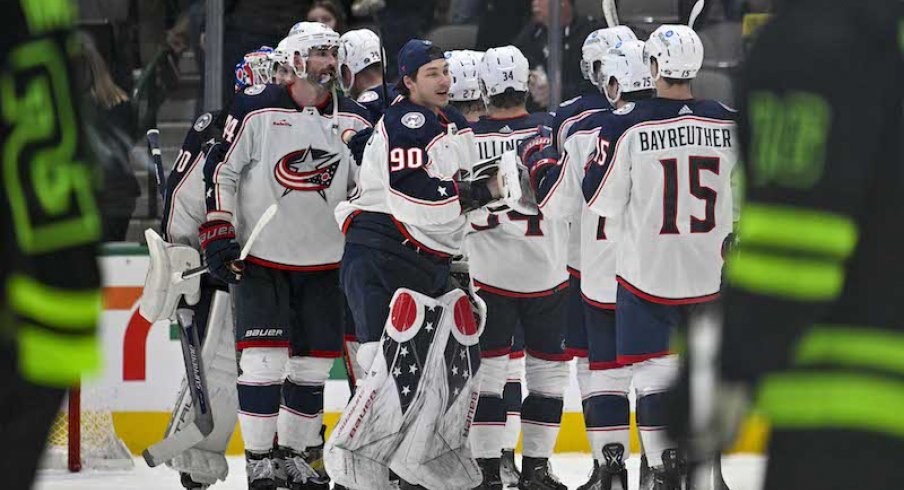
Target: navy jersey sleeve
[(202, 133)]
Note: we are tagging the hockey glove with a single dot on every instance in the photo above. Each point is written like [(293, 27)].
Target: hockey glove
[(221, 251), (358, 142), (538, 155)]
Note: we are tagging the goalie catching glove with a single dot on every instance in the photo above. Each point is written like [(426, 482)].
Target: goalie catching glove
[(221, 251)]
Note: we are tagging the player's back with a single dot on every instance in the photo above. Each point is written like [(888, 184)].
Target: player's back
[(508, 251), (665, 167), (572, 110)]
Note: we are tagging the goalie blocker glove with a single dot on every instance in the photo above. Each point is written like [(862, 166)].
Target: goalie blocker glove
[(221, 251)]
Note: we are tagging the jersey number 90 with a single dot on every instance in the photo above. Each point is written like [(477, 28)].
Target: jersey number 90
[(402, 158)]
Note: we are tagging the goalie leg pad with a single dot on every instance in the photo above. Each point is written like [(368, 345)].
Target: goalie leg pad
[(163, 285), (259, 388), (651, 380), (301, 414), (206, 462), (367, 352), (488, 428), (541, 413)]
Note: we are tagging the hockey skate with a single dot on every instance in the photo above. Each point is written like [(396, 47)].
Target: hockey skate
[(190, 484), (260, 470), (670, 476), (489, 469), (508, 470), (611, 476), (304, 471), (535, 475)]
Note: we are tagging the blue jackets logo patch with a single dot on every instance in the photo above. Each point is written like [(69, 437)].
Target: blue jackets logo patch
[(310, 169)]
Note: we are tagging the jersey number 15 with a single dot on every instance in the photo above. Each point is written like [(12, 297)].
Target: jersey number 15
[(697, 165)]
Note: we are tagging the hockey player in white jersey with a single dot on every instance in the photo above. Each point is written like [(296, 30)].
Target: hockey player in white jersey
[(361, 71), (499, 243), (663, 169), (184, 210), (623, 77), (284, 145), (464, 93), (403, 227)]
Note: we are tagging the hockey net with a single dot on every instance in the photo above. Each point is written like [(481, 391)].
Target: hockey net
[(83, 435)]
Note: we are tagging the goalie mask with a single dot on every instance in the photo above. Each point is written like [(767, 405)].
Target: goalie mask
[(597, 45), (678, 52), (254, 69), (308, 37), (624, 63), (358, 49), (463, 68)]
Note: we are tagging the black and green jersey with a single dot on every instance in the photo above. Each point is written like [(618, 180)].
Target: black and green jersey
[(815, 295), (49, 279)]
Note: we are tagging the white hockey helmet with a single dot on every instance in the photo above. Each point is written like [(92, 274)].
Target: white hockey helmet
[(597, 45), (501, 69), (358, 49), (677, 49), (464, 66), (308, 36), (625, 63)]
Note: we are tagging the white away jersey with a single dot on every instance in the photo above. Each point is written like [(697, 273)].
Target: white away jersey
[(273, 150), (510, 253), (560, 197), (407, 176), (664, 167)]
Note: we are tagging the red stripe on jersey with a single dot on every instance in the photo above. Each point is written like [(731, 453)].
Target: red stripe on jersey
[(666, 301), (564, 356), (288, 267), (517, 294), (246, 344), (574, 272), (604, 365), (597, 304), (348, 221), (627, 360), (574, 352)]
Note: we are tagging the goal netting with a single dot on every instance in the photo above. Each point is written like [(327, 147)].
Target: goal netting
[(83, 435)]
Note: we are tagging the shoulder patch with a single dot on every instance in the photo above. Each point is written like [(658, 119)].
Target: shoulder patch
[(368, 96), (413, 120), (624, 110), (570, 101), (255, 89), (203, 121)]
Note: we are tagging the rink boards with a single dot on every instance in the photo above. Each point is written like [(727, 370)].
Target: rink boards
[(143, 369)]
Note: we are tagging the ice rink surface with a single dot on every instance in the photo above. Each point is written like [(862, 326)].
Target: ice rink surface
[(742, 472)]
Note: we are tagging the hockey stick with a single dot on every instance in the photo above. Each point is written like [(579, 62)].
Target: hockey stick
[(153, 138), (695, 12), (610, 13), (202, 425)]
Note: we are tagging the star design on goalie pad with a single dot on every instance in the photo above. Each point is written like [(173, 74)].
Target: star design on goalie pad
[(442, 191), (396, 372), (210, 192), (412, 369), (403, 351), (462, 354), (429, 327), (406, 391), (454, 370)]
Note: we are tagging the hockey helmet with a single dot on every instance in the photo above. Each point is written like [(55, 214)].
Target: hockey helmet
[(625, 63), (254, 69), (358, 49), (501, 69), (678, 52), (308, 36), (597, 45), (463, 68)]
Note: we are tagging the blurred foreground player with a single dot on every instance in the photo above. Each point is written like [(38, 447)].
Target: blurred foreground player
[(814, 317), (49, 282)]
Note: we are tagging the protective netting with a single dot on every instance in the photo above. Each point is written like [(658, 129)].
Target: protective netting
[(94, 444)]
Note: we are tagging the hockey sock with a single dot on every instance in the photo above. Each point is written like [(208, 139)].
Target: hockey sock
[(300, 415), (511, 397), (540, 419), (258, 409), (607, 412), (651, 426), (488, 428)]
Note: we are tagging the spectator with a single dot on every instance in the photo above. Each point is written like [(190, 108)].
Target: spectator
[(533, 43), (111, 139), (327, 12), (400, 21)]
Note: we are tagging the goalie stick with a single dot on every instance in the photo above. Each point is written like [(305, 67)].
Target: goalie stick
[(202, 425)]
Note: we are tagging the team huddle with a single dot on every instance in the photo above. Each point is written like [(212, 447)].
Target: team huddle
[(448, 244)]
